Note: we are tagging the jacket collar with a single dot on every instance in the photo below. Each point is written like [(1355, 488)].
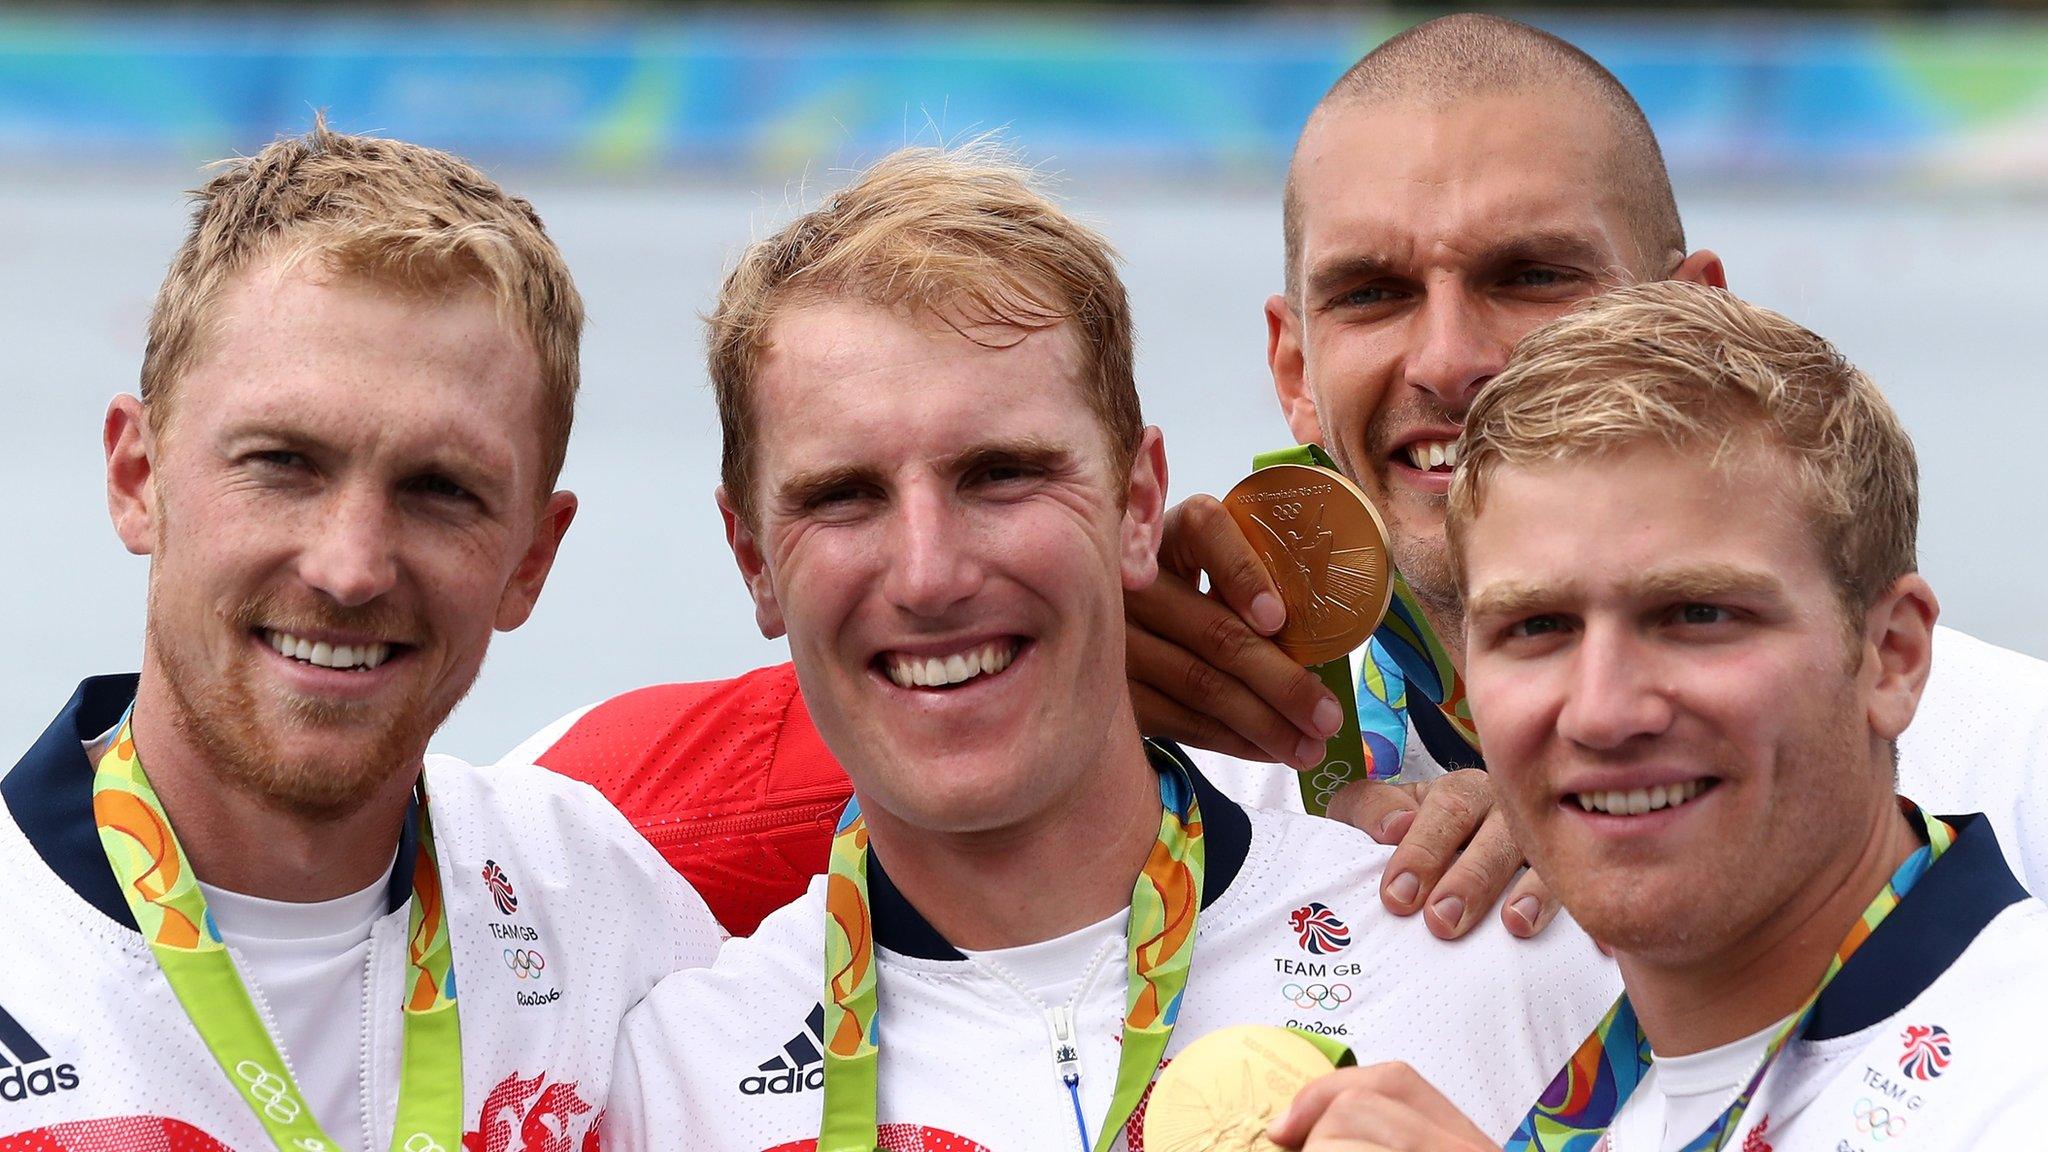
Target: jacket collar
[(1945, 911), (1226, 840), (49, 794)]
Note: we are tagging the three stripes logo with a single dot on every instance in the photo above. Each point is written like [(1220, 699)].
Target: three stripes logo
[(800, 1067), (25, 1066)]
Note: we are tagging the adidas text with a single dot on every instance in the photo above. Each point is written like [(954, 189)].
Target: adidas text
[(17, 1084), (787, 1082)]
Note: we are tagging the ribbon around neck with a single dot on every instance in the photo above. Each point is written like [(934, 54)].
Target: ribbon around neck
[(164, 896), (1159, 942)]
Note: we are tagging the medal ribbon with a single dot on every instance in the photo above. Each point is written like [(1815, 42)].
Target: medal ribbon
[(1160, 942), (1403, 650), (1588, 1093), (164, 896)]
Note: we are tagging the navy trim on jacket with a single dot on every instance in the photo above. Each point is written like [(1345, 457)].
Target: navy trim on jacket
[(49, 794), (1226, 841), (1950, 906)]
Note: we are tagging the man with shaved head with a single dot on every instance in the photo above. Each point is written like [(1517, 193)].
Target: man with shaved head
[(1467, 181)]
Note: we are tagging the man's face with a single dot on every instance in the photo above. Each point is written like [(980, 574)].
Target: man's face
[(346, 499), (943, 533), (1431, 241), (1677, 723)]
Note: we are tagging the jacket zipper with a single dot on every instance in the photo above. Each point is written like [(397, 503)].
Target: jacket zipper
[(665, 835)]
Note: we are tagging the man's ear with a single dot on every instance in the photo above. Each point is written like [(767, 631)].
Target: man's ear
[(746, 552), (130, 446), (522, 592), (1290, 381), (1702, 267), (1144, 521), (1898, 652)]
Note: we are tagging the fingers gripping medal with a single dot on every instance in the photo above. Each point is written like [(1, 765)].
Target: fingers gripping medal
[(1325, 547), (1222, 1091)]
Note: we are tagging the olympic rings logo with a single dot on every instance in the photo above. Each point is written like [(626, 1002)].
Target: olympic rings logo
[(526, 964), (1880, 1122), (1333, 775), (1324, 996), (421, 1142), (270, 1091)]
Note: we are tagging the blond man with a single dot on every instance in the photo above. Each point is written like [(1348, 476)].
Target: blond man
[(1684, 528), (938, 485), (240, 894)]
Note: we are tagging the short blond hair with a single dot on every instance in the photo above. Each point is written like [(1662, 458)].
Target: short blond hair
[(961, 234), (357, 205), (1697, 368)]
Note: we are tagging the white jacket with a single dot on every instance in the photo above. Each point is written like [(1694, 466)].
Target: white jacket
[(1929, 1039), (97, 1055), (727, 1058)]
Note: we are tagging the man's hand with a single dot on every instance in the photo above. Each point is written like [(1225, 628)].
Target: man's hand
[(1383, 1108), (1453, 853), (1203, 672), (1200, 673)]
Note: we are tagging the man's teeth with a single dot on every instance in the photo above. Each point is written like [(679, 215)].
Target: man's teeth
[(1640, 800), (325, 655), (939, 671), (1428, 454)]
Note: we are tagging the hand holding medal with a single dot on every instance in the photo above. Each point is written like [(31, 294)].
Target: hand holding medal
[(1222, 1091), (1325, 547)]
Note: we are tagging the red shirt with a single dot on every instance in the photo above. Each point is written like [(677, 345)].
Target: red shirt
[(728, 779)]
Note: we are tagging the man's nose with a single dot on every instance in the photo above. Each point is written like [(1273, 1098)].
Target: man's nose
[(1613, 695), (352, 555), (933, 565), (1456, 348)]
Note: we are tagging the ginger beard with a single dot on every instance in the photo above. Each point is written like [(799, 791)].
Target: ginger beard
[(218, 713)]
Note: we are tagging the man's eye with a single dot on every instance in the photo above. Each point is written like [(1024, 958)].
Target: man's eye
[(1542, 278), (1537, 626), (1703, 614), (440, 486), (1370, 296), (1005, 473), (278, 458)]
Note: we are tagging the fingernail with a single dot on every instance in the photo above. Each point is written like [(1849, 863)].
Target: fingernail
[(1268, 614), (1395, 826), (1528, 908), (1328, 718), (1404, 888), (1450, 911), (1308, 753)]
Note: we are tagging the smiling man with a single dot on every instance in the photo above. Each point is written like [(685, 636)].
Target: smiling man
[(938, 485), (1695, 634), (238, 899)]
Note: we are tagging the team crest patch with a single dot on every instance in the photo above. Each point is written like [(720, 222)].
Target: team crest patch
[(1318, 930), (501, 888), (1755, 1142), (1926, 1053)]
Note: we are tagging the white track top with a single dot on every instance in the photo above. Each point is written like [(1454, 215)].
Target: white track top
[(97, 1055), (1292, 932)]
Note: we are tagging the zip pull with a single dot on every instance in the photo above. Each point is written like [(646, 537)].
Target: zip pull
[(1066, 1056), (1066, 1050)]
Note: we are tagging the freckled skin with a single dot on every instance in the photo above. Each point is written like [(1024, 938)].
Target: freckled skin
[(345, 456)]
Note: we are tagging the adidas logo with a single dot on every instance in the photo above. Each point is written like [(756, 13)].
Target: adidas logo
[(800, 1067), (19, 1050)]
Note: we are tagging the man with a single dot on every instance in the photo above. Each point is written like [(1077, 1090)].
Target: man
[(239, 903), (937, 483), (1466, 181), (1693, 680)]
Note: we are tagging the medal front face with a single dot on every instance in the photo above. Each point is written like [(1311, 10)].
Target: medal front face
[(1323, 544), (1222, 1091)]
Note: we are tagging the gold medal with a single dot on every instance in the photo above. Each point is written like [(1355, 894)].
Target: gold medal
[(1324, 545), (1222, 1091)]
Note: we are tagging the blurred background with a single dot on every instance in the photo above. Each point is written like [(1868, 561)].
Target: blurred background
[(1877, 171)]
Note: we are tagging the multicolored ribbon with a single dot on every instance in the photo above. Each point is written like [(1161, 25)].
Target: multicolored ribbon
[(1581, 1104), (1160, 942), (164, 896)]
